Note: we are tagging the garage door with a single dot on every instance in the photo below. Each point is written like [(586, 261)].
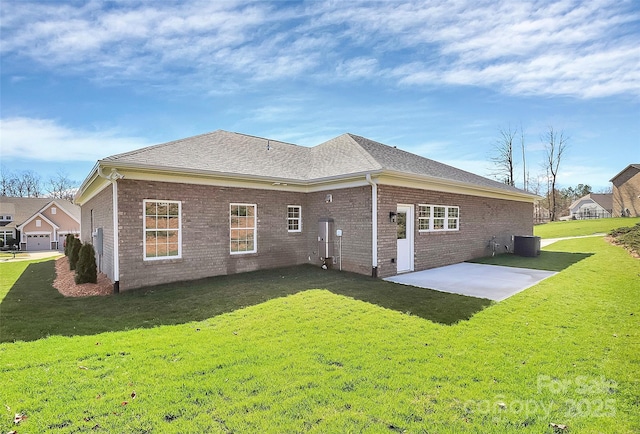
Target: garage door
[(38, 242), (61, 241)]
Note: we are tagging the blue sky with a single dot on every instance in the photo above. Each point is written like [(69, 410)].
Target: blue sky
[(84, 80)]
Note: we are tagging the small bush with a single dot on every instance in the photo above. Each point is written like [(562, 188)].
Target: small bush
[(620, 231), (67, 244), (628, 237), (74, 250), (86, 269)]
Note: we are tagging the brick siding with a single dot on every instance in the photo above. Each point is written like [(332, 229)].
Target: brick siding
[(205, 232), (626, 193), (102, 206), (205, 229), (480, 219), (350, 209)]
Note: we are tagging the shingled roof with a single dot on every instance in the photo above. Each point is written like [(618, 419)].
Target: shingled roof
[(22, 208), (223, 152)]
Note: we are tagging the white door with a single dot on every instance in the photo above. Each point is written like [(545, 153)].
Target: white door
[(404, 222)]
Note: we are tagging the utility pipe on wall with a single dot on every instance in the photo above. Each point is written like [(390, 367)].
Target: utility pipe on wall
[(113, 177), (374, 225)]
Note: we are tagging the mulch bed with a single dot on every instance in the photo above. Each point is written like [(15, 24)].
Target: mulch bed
[(66, 285)]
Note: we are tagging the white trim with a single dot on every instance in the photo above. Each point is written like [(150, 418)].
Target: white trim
[(255, 228), (374, 221), (431, 218), (30, 219), (144, 230), (97, 184), (201, 177), (410, 234), (399, 179), (299, 219), (59, 207)]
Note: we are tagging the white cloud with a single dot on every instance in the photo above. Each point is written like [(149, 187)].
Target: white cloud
[(569, 47), (45, 140)]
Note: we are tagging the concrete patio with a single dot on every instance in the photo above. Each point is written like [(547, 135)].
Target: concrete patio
[(475, 280)]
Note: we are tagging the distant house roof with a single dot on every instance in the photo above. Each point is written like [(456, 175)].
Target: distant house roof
[(604, 200), (23, 208), (223, 152), (635, 166)]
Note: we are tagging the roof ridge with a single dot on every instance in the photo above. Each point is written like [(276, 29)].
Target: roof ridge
[(366, 153), (263, 138)]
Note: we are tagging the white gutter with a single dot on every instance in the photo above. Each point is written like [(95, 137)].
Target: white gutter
[(113, 178), (374, 225)]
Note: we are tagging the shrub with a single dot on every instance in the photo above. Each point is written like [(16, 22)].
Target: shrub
[(67, 244), (74, 250), (628, 237), (1, 242), (11, 242), (86, 269)]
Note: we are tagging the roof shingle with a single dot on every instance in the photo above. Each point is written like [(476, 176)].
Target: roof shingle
[(240, 154)]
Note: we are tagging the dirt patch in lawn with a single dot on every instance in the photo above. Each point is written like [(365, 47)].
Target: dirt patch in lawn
[(66, 285)]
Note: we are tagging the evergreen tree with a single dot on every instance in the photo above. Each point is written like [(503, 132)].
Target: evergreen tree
[(74, 250), (86, 269), (67, 244)]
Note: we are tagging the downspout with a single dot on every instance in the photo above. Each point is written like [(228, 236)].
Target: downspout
[(374, 225), (113, 177)]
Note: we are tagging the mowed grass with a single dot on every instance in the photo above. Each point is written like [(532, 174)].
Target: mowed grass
[(565, 351), (547, 260), (28, 295), (573, 228)]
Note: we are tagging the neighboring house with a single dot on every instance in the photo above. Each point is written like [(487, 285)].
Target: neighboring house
[(38, 223), (626, 192), (540, 213), (223, 203), (591, 206)]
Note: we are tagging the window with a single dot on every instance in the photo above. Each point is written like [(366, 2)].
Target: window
[(162, 229), (438, 218), (54, 210), (5, 235), (294, 218), (242, 225), (38, 223)]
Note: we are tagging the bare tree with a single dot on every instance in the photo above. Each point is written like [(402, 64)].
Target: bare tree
[(525, 175), (25, 184), (61, 187), (555, 144), (503, 156), (32, 185), (7, 181)]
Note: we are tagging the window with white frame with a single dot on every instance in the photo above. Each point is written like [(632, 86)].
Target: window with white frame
[(294, 218), (162, 229), (38, 223), (242, 228), (432, 218), (54, 210), (5, 235)]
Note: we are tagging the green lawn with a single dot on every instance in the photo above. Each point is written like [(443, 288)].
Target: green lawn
[(547, 260), (324, 360), (573, 228)]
